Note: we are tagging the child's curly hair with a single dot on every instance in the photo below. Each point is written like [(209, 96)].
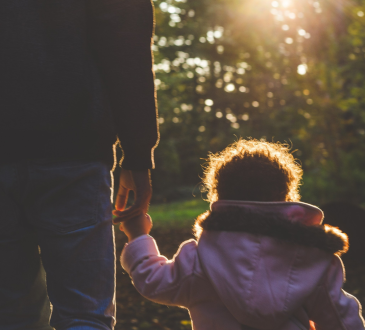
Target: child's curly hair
[(253, 170)]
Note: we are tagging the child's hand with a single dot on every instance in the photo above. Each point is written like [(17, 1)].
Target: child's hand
[(137, 226)]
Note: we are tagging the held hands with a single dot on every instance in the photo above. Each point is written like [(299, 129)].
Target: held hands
[(139, 182), (133, 221), (140, 225)]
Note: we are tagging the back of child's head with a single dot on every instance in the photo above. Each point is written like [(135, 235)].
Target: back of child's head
[(252, 170)]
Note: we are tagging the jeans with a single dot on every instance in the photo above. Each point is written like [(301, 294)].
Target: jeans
[(56, 245)]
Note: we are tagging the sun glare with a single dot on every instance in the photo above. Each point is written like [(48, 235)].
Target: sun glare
[(302, 69), (285, 3)]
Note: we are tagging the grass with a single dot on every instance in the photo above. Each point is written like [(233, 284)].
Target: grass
[(177, 214)]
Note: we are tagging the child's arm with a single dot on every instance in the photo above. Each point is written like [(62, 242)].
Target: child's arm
[(164, 281), (331, 307), (137, 226)]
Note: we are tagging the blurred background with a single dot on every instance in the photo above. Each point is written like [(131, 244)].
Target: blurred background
[(287, 70)]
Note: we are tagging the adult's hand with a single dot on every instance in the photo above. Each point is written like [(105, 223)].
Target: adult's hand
[(140, 183)]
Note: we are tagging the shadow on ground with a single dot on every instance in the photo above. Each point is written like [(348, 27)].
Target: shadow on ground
[(134, 312)]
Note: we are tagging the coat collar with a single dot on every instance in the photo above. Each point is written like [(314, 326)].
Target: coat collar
[(292, 211), (298, 223)]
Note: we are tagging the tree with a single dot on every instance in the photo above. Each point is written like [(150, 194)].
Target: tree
[(281, 70)]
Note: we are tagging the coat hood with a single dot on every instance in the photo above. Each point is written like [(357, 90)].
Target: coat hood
[(264, 259)]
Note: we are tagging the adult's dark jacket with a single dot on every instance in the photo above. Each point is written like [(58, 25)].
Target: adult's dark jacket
[(74, 75)]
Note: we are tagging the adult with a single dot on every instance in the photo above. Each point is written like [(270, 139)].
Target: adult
[(74, 75)]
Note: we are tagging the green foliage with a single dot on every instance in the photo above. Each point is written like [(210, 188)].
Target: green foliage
[(284, 70), (177, 214)]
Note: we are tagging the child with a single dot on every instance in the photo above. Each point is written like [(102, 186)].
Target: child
[(262, 260)]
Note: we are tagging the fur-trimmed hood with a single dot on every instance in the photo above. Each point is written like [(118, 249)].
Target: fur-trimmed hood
[(265, 259), (293, 222)]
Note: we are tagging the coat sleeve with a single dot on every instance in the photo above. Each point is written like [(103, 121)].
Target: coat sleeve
[(121, 34), (168, 282), (332, 308)]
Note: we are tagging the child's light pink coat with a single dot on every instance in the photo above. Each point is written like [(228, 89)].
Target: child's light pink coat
[(240, 281)]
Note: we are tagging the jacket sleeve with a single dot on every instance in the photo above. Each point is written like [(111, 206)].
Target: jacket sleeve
[(121, 34), (330, 307), (168, 282)]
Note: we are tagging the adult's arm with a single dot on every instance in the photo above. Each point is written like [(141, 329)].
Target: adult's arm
[(121, 34)]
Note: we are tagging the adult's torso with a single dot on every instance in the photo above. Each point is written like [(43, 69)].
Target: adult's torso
[(51, 96)]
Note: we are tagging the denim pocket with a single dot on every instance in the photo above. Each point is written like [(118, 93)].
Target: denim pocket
[(64, 196)]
